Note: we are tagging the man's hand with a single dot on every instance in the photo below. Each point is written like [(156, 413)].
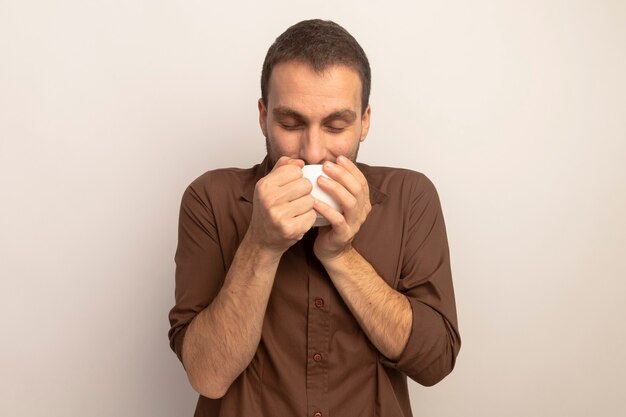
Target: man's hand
[(222, 339), (384, 314), (283, 207), (348, 187)]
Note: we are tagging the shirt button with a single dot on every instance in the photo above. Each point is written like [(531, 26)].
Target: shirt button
[(319, 302), (317, 357), (317, 414)]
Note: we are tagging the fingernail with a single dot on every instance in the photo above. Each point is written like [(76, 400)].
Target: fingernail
[(329, 164)]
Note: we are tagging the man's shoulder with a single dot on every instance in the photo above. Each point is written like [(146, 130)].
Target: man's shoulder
[(394, 180), (224, 175), (231, 178), (223, 183)]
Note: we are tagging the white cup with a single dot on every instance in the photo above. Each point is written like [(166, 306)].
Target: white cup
[(312, 172)]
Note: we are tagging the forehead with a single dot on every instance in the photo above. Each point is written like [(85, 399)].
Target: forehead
[(295, 84)]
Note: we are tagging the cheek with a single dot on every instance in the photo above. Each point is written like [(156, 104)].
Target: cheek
[(282, 141), (346, 144)]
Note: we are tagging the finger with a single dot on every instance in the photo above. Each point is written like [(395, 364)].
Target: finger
[(298, 162), (334, 217), (350, 167), (304, 222), (284, 174), (298, 206), (346, 200), (296, 189), (344, 177), (276, 196), (285, 160), (294, 228)]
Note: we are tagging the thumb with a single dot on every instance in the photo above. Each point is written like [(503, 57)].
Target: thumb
[(285, 160)]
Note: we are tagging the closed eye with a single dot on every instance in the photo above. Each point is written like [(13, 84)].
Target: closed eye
[(288, 126), (332, 129)]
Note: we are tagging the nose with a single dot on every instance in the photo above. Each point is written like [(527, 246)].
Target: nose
[(312, 148)]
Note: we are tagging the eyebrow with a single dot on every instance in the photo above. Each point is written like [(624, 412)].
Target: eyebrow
[(346, 114), (282, 111)]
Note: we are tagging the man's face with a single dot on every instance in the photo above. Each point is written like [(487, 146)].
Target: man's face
[(313, 117)]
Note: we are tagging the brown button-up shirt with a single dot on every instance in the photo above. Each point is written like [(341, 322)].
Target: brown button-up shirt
[(313, 358)]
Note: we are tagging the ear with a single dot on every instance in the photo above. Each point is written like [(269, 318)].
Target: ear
[(262, 117), (365, 122)]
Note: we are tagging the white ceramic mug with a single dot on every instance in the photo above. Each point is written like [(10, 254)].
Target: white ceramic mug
[(312, 172)]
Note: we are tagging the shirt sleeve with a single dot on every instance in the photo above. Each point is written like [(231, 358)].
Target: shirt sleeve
[(426, 280), (200, 268)]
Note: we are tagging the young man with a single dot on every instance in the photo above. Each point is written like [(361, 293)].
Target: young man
[(276, 318)]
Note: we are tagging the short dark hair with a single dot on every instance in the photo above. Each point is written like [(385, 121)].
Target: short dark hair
[(320, 44)]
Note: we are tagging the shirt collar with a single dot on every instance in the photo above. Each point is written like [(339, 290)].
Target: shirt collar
[(264, 168)]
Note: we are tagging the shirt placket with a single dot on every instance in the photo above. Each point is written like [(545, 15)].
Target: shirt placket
[(318, 333)]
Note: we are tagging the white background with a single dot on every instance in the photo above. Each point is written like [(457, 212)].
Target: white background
[(515, 110)]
